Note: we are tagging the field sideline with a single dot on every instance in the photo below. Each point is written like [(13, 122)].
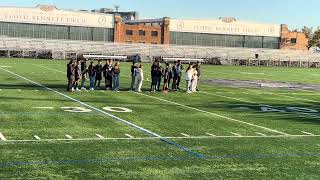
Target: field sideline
[(220, 132)]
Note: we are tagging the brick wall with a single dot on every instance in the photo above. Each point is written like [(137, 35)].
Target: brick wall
[(163, 34), (292, 40)]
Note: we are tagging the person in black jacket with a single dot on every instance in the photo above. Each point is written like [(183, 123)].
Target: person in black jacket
[(107, 73), (84, 72), (70, 75), (98, 69), (92, 75), (198, 68), (153, 76)]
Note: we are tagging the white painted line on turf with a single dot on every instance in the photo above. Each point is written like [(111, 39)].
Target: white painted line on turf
[(128, 135), (36, 90), (19, 90), (49, 68), (2, 137), (186, 135), (214, 114), (86, 105), (304, 132), (101, 137), (211, 134), (236, 134), (261, 134), (69, 137), (37, 137), (153, 138), (42, 107), (5, 66)]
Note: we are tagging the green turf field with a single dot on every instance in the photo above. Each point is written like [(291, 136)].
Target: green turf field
[(221, 132)]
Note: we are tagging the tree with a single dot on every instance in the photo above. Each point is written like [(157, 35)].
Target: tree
[(315, 40), (308, 31)]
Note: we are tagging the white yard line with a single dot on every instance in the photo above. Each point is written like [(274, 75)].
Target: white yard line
[(185, 135), (214, 114), (86, 105), (19, 90), (2, 137), (211, 134), (307, 133), (101, 137), (155, 138), (69, 137), (236, 134), (128, 135), (49, 68), (42, 107), (37, 137), (261, 134)]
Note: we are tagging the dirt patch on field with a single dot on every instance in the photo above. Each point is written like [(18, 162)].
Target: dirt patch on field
[(261, 84)]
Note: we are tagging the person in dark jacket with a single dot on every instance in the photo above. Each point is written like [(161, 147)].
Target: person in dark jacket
[(133, 75), (175, 77), (158, 75), (70, 75), (153, 76), (107, 73), (198, 68), (179, 69), (92, 75), (84, 72), (98, 69)]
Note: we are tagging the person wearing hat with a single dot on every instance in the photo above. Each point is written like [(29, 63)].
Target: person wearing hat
[(98, 69)]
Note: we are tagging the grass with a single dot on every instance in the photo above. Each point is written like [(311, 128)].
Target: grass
[(219, 110)]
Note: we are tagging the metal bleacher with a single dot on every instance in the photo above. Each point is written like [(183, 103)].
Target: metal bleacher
[(229, 56)]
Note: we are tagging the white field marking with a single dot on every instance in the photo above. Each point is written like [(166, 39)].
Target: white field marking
[(211, 134), (252, 73), (236, 134), (42, 107), (203, 92), (5, 66), (101, 137), (307, 133), (69, 137), (186, 135), (214, 114), (84, 104), (36, 90), (261, 134), (154, 138), (315, 74), (0, 89), (37, 137), (2, 137), (128, 135), (19, 90)]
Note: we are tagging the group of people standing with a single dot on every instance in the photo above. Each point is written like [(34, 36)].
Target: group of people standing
[(78, 70)]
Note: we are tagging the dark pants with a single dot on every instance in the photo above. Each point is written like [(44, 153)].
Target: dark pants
[(178, 82), (158, 82), (174, 83), (133, 80), (108, 81)]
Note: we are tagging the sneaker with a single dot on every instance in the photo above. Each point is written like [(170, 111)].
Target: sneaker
[(91, 89), (78, 90), (72, 89), (83, 88)]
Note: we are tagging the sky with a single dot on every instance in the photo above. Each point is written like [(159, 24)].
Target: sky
[(294, 13)]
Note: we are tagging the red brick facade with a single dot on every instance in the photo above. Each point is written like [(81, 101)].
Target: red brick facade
[(293, 40), (142, 33)]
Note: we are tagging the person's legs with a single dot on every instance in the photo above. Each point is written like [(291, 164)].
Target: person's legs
[(83, 82), (178, 82), (117, 83), (188, 86), (140, 85), (133, 79)]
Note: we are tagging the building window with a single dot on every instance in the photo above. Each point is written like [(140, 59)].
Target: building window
[(129, 32), (142, 42), (129, 42), (293, 40), (142, 32), (154, 33), (154, 43)]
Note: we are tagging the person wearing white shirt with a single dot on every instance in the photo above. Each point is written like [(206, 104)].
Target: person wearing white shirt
[(139, 77), (189, 75)]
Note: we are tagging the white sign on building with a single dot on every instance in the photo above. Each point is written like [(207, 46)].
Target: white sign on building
[(228, 26), (44, 14)]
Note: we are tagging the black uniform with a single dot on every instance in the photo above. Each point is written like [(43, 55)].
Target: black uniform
[(98, 70), (107, 73), (70, 75)]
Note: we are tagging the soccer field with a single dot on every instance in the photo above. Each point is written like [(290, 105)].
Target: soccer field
[(223, 131)]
